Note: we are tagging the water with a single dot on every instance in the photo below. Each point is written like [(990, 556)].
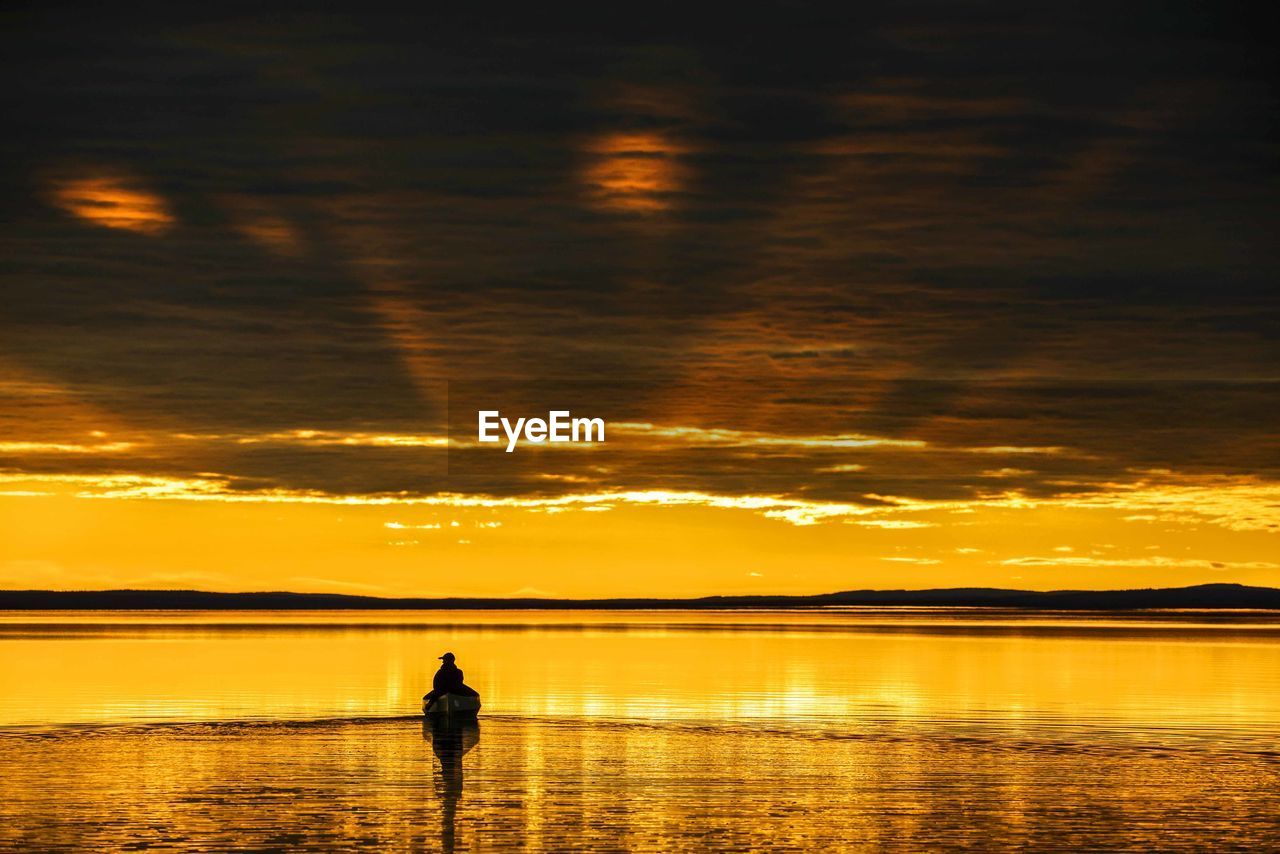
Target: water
[(661, 731)]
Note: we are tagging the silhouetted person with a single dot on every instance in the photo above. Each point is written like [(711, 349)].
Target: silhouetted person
[(448, 680)]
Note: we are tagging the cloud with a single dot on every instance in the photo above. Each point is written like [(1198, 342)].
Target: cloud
[(320, 438), (112, 202), (30, 448), (976, 266), (725, 436), (312, 582), (1240, 504), (1137, 562)]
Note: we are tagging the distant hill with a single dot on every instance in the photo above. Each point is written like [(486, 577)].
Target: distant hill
[(1202, 596)]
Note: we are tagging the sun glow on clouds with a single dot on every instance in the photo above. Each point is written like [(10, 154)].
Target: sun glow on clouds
[(113, 202), (721, 436), (1160, 562), (65, 447), (306, 438), (748, 438), (1240, 504), (321, 438), (633, 172), (647, 436), (257, 222)]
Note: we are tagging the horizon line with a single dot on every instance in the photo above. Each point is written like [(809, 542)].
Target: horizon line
[(1213, 595)]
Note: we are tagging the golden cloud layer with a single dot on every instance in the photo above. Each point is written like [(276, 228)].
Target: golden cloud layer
[(1240, 503)]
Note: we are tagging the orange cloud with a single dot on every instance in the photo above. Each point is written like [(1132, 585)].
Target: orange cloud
[(113, 202), (633, 172), (258, 222)]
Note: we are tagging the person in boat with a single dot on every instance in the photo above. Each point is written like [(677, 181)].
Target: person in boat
[(448, 680)]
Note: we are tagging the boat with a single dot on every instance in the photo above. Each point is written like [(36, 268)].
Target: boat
[(453, 705)]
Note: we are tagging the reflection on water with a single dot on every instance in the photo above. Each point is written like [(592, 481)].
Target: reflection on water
[(554, 785), (1188, 672), (809, 730), (450, 739)]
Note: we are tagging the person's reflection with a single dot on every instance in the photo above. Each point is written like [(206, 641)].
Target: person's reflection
[(450, 740)]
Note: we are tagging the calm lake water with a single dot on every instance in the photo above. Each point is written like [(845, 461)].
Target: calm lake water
[(840, 728)]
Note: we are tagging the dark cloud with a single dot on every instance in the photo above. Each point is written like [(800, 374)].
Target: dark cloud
[(990, 226)]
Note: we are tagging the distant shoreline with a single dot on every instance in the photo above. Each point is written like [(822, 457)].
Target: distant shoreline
[(1200, 597)]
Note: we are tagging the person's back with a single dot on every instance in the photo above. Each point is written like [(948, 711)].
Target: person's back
[(448, 680)]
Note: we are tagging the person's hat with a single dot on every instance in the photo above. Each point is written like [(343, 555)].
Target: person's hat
[(448, 656)]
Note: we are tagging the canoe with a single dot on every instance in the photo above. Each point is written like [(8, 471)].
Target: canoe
[(453, 705)]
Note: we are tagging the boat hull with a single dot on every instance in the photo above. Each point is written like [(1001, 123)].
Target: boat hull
[(453, 705)]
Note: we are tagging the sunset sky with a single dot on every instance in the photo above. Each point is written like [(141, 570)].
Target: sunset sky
[(898, 297)]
